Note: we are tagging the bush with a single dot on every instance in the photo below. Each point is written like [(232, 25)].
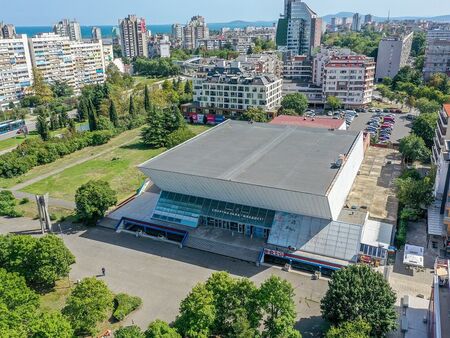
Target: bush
[(124, 305), (132, 331), (34, 152), (8, 204), (178, 136), (24, 200)]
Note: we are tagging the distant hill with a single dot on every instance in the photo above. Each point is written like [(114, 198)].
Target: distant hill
[(441, 18)]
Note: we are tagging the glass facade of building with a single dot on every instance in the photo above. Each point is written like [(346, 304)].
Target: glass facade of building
[(190, 211)]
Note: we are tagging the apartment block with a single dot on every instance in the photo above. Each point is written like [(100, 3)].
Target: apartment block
[(393, 54), (15, 69), (356, 22), (75, 62), (194, 31), (89, 64), (68, 28), (229, 92), (321, 59), (351, 79), (51, 54), (133, 37), (96, 33), (437, 54), (440, 226), (7, 31)]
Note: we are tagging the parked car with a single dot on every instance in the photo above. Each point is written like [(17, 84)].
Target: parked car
[(410, 117), (389, 119), (336, 115), (330, 113)]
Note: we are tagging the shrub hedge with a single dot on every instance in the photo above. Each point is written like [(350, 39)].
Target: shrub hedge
[(35, 152), (124, 305)]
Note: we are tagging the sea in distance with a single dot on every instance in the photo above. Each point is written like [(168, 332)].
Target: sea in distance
[(155, 29)]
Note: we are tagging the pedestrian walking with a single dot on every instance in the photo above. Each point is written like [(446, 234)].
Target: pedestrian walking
[(103, 271)]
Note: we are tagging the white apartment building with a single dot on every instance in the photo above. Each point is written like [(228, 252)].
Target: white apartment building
[(195, 30), (75, 62), (351, 79), (233, 94), (89, 64), (321, 59), (297, 68), (108, 54), (15, 69), (437, 54), (393, 54), (51, 54)]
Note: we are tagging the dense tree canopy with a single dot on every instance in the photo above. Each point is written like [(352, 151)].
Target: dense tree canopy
[(365, 42), (159, 67), (93, 199), (89, 303), (413, 148), (415, 193), (356, 329), (334, 102), (296, 101), (255, 115), (41, 261), (132, 331), (424, 126), (51, 325), (357, 292), (160, 329)]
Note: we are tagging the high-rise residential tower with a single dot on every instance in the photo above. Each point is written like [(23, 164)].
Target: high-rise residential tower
[(195, 30), (7, 31), (393, 54), (437, 54), (96, 33), (15, 69), (299, 29), (356, 22), (133, 37), (68, 28)]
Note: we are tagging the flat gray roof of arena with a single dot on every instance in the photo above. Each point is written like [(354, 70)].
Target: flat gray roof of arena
[(276, 156)]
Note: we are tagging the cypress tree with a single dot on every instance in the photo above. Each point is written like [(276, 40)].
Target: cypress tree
[(92, 116), (132, 110), (188, 87), (113, 114), (146, 99)]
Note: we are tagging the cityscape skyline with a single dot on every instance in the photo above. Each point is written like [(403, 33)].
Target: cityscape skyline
[(23, 13)]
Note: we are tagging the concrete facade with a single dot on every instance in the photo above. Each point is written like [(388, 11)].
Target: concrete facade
[(393, 54)]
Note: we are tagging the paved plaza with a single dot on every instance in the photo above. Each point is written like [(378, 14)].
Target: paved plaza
[(162, 274)]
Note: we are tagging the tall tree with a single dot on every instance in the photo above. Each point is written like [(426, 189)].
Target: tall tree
[(276, 298), (92, 116), (357, 329), (93, 199), (235, 304), (188, 87), (255, 115), (83, 109), (131, 108), (358, 292), (296, 101), (40, 88), (42, 127), (415, 194), (413, 148), (113, 114), (160, 329), (334, 102), (424, 126), (89, 303), (154, 135), (197, 313), (50, 325), (132, 331), (54, 121), (146, 99)]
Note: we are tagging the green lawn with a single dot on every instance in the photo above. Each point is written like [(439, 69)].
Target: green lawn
[(141, 81), (118, 167), (14, 141)]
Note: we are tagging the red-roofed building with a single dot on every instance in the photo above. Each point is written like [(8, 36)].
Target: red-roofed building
[(310, 122)]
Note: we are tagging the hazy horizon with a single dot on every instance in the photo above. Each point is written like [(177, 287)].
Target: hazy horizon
[(103, 12)]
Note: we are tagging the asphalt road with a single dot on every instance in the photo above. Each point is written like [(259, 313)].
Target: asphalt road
[(31, 125)]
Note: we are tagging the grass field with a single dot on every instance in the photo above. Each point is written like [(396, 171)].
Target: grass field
[(56, 299), (67, 160), (30, 210), (141, 81), (117, 167)]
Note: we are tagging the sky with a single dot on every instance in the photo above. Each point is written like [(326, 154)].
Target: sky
[(106, 12)]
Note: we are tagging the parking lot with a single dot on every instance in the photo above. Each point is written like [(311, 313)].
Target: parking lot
[(401, 128)]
